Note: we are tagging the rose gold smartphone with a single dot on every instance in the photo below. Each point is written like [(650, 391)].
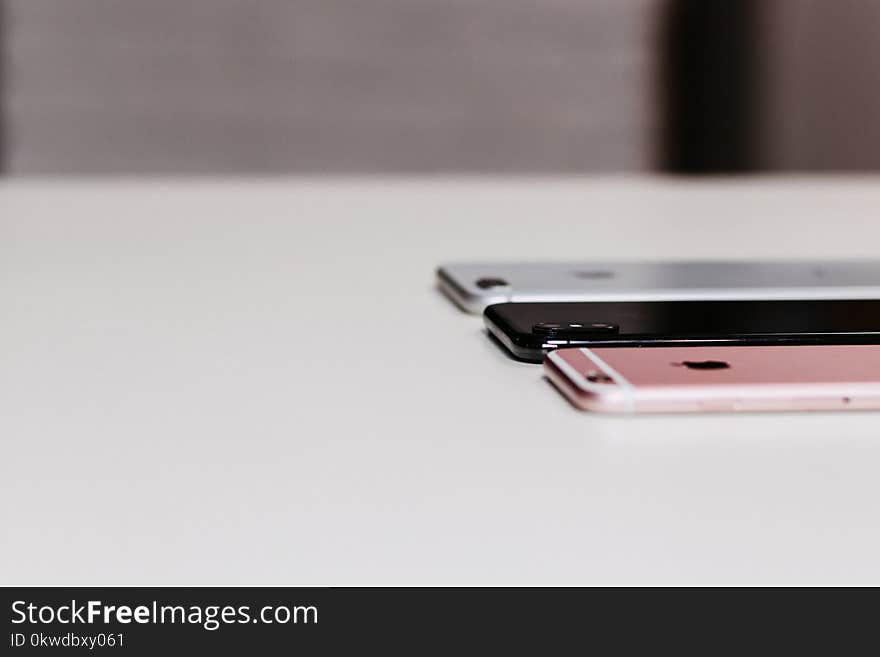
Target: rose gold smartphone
[(699, 379)]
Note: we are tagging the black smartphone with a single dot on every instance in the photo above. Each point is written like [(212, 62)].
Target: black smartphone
[(530, 330)]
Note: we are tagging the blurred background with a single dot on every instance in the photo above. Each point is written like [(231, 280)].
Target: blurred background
[(170, 87)]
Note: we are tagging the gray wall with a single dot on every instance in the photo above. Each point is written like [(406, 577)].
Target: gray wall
[(362, 86), (821, 84)]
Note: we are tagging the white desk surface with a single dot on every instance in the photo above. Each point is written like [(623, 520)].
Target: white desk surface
[(245, 382)]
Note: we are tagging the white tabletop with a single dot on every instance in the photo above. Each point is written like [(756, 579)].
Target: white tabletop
[(234, 382)]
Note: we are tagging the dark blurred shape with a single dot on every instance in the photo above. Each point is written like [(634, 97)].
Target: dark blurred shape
[(708, 86)]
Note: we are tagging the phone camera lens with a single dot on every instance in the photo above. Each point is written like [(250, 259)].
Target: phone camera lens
[(488, 283), (547, 328), (574, 329), (602, 327)]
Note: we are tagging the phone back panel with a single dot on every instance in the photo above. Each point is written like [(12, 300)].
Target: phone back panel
[(777, 377), (473, 286), (679, 323), (746, 365)]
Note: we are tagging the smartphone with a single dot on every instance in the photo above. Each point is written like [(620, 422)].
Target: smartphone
[(702, 379), (530, 330), (473, 286)]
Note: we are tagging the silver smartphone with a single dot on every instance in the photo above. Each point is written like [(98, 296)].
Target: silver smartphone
[(473, 286)]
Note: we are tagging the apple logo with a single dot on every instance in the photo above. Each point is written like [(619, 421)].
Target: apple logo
[(703, 364)]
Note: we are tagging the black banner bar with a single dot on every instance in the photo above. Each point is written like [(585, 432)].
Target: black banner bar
[(151, 621)]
